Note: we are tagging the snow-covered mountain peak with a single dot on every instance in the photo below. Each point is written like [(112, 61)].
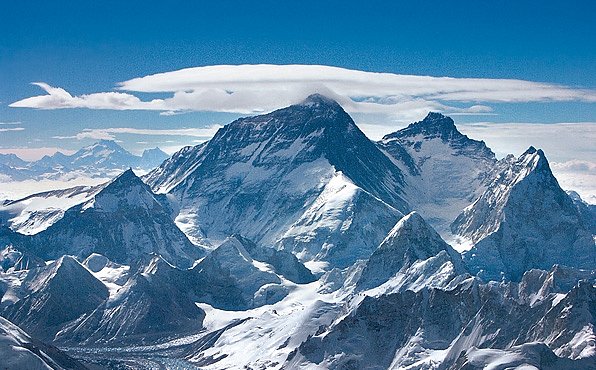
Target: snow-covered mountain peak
[(410, 240), (535, 160), (320, 101), (433, 125), (281, 162), (414, 238), (126, 190), (436, 125)]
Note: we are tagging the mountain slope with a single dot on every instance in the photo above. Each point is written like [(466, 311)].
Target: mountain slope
[(229, 278), (154, 303), (524, 220), (35, 213), (344, 223), (19, 351)]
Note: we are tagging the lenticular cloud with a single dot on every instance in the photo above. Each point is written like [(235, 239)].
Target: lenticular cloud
[(261, 88)]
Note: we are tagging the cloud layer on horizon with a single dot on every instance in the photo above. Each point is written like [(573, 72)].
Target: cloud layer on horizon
[(250, 89)]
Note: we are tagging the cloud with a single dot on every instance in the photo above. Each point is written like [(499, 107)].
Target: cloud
[(561, 142), (575, 166), (110, 133), (250, 89), (578, 175), (11, 129), (58, 98), (10, 123), (10, 189)]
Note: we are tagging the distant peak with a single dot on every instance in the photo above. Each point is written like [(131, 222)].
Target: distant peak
[(107, 143), (319, 100)]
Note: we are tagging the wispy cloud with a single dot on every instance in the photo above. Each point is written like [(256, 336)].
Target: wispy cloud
[(110, 133), (259, 88), (13, 123), (2, 129)]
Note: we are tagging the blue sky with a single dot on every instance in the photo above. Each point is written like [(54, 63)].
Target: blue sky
[(90, 46)]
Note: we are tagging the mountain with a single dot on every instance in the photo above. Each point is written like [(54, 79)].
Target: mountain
[(524, 220), (323, 250), (153, 303), (54, 295), (229, 278), (104, 158), (12, 161), (152, 158), (586, 210), (123, 221), (432, 153), (257, 174), (21, 352), (442, 327), (283, 262), (410, 240)]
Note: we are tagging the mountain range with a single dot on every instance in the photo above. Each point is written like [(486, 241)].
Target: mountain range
[(104, 158), (292, 241)]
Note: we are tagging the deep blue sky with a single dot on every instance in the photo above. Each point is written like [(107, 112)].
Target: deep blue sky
[(89, 46)]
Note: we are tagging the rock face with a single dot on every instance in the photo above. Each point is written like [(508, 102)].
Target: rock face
[(21, 352), (283, 262), (410, 240), (257, 174), (445, 170), (438, 328), (524, 220), (124, 221), (152, 158)]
